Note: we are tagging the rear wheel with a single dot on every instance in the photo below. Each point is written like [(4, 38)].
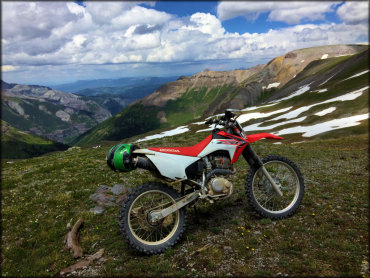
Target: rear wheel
[(264, 198), (135, 222)]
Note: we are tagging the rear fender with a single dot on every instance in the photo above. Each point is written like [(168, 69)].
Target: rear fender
[(255, 137)]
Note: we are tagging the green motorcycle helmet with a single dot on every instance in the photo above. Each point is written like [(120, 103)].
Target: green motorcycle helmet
[(119, 157)]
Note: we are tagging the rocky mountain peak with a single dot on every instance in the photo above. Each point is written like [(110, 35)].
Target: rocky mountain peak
[(283, 68), (205, 79)]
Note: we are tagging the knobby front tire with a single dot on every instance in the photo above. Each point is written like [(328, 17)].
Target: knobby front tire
[(134, 221), (263, 198)]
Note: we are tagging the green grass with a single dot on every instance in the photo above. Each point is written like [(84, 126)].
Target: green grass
[(192, 104), (16, 144), (46, 122), (327, 236), (137, 119)]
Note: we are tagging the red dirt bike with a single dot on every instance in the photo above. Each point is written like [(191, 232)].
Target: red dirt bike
[(152, 217)]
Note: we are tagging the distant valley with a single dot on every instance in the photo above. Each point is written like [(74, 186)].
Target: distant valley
[(115, 99), (60, 115), (124, 83), (49, 113)]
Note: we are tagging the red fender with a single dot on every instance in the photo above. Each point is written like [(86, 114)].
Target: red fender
[(255, 137)]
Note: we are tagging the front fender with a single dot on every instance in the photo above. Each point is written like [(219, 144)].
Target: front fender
[(255, 137)]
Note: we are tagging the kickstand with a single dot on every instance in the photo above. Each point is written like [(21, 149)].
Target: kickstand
[(196, 215)]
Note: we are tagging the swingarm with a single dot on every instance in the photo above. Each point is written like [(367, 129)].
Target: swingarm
[(160, 214)]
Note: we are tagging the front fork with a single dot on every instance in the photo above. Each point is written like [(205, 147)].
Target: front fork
[(255, 163)]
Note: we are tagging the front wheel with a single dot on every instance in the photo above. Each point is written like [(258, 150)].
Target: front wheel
[(262, 195), (136, 226)]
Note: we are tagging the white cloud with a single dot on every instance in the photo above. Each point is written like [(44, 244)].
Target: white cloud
[(75, 8), (354, 12), (57, 33), (24, 20), (139, 16), (104, 12), (207, 24), (287, 11)]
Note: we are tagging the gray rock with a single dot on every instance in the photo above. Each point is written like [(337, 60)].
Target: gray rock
[(103, 199), (120, 199), (97, 210), (102, 188), (118, 189)]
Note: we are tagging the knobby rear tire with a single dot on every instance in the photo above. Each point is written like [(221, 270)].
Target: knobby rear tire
[(127, 220), (255, 184)]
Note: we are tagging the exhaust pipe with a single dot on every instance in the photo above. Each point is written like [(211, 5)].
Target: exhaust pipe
[(144, 163)]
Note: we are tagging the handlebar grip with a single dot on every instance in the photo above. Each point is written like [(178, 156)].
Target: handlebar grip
[(215, 121), (212, 121)]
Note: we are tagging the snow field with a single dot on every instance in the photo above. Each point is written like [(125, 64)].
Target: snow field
[(349, 96), (273, 85), (290, 117), (325, 56), (325, 111), (178, 130), (312, 130), (356, 75)]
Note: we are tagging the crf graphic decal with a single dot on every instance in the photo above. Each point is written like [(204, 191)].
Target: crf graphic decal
[(237, 141), (228, 142)]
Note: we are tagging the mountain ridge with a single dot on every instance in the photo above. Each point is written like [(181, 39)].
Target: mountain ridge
[(49, 113), (17, 144), (177, 107)]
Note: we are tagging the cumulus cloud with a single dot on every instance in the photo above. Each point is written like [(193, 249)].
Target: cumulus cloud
[(354, 12), (64, 33), (24, 20), (287, 11)]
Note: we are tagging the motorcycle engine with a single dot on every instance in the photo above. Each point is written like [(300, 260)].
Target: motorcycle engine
[(219, 185), (220, 162)]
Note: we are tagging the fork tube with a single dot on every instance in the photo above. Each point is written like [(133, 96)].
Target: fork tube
[(255, 163), (273, 183), (251, 157)]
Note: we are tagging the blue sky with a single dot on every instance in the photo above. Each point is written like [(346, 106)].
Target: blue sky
[(56, 42)]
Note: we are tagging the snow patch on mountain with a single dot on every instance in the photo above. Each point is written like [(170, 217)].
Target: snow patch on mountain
[(312, 130), (325, 111), (257, 115), (257, 126), (178, 130), (300, 91), (358, 74), (273, 85)]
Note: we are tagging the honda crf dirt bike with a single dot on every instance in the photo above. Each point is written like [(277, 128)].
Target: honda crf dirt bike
[(152, 217)]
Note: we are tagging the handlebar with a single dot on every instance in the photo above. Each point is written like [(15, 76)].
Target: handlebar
[(215, 121), (229, 123)]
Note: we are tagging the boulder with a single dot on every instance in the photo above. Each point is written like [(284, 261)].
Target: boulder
[(119, 189)]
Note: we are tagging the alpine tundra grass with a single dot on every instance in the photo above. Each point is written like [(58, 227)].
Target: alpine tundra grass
[(328, 235)]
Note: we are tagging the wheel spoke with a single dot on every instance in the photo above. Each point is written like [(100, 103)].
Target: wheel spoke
[(140, 226), (265, 195)]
